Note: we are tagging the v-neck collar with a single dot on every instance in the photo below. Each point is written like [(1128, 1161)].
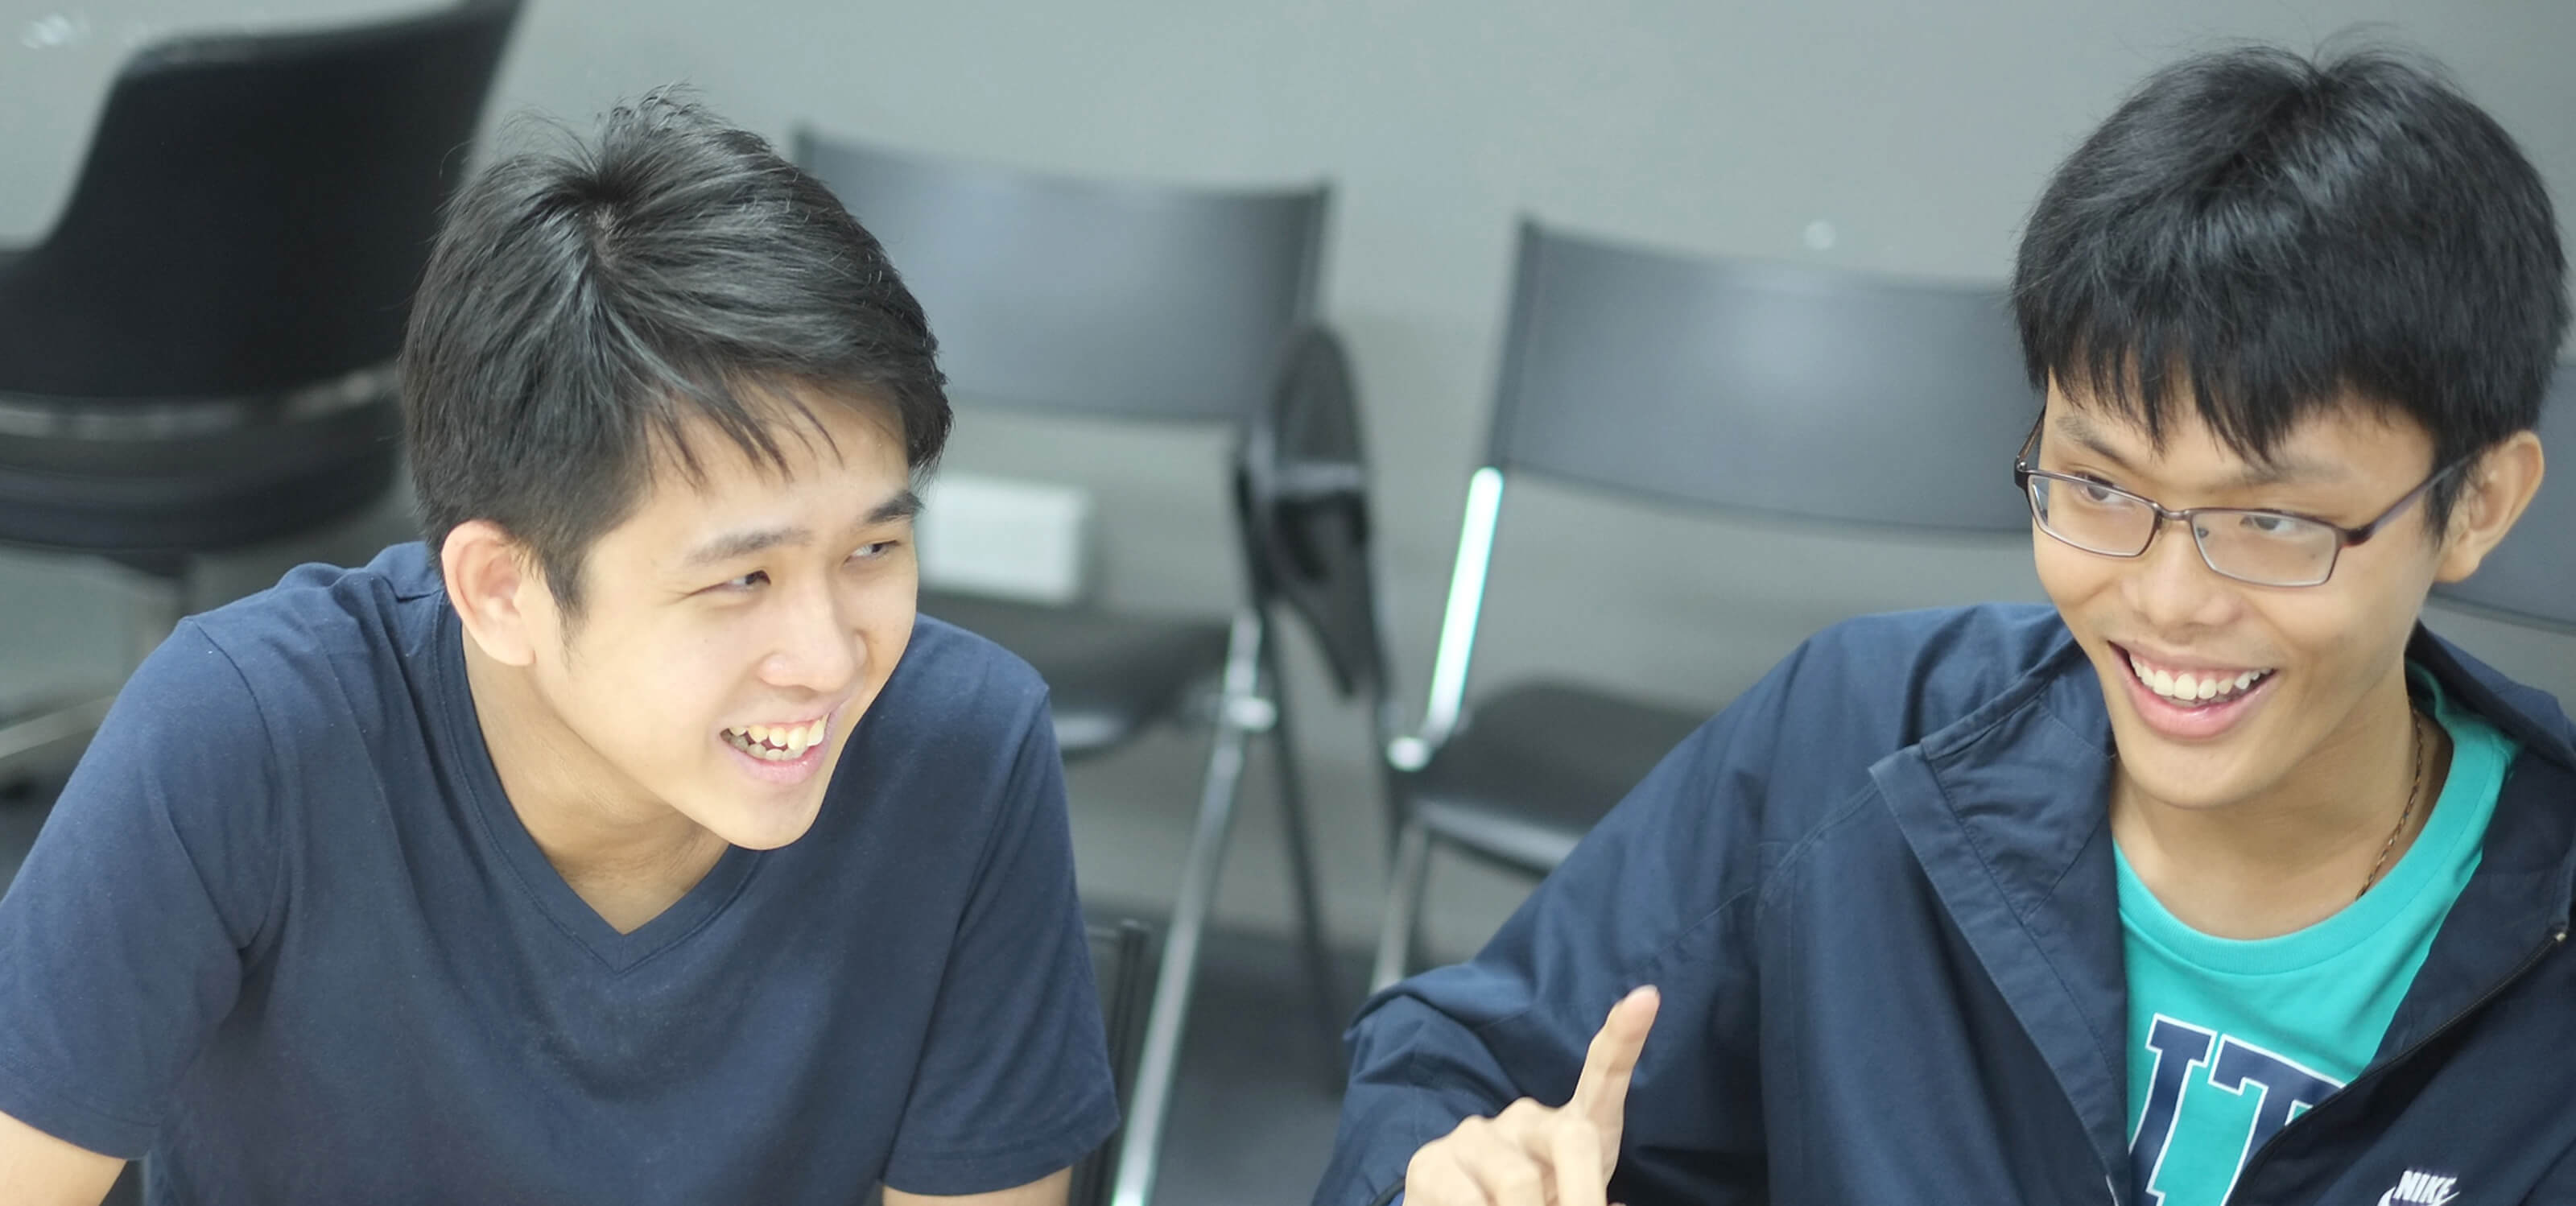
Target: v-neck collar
[(546, 887)]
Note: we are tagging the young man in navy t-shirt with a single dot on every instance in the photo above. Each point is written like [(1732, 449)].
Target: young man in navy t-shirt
[(628, 840)]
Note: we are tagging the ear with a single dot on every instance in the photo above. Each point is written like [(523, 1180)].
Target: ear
[(2500, 485), (497, 592)]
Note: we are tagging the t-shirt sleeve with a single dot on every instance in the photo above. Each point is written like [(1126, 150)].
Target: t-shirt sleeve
[(1014, 1081), (123, 937)]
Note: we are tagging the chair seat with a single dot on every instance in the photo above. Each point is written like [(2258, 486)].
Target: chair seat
[(207, 491), (1535, 766), (1108, 673)]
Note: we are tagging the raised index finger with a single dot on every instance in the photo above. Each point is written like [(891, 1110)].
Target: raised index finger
[(1602, 1093)]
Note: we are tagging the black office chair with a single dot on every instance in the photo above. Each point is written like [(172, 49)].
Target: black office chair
[(199, 355), (1153, 304), (1760, 389), (2530, 579)]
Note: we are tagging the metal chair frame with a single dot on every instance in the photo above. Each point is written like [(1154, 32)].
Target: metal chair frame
[(1249, 700)]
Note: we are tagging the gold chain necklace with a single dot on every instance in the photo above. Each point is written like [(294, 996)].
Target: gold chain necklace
[(2415, 725)]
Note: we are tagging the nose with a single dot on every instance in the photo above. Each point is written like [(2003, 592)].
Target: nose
[(2171, 588), (817, 643)]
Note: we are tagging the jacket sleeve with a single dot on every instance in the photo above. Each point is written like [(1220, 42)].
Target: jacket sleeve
[(1665, 891)]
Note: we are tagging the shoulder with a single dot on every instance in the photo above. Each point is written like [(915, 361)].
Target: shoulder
[(961, 742), (1913, 672), (326, 642), (2530, 716), (954, 687), (1863, 689), (326, 611)]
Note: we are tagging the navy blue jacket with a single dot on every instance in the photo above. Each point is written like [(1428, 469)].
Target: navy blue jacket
[(1877, 894)]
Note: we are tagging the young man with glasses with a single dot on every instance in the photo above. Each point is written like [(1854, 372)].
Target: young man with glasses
[(2221, 881)]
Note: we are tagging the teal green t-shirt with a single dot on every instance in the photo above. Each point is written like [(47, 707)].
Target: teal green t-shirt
[(2229, 1040)]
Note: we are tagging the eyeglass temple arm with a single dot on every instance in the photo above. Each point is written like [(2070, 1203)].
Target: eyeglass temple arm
[(2353, 536)]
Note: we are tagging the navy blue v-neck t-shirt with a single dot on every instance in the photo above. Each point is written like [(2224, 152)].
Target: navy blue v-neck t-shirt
[(284, 934)]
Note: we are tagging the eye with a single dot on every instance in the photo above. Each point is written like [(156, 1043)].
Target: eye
[(2268, 523), (874, 550), (750, 581), (2093, 491)]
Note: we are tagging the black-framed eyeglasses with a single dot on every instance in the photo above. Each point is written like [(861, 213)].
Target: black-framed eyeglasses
[(2264, 548)]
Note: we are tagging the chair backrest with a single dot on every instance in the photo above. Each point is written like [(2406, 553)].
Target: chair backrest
[(2531, 577), (1302, 496), (1142, 301), (1122, 963), (254, 211), (1810, 392)]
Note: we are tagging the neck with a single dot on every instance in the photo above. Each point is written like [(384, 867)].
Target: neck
[(623, 851), (2300, 852)]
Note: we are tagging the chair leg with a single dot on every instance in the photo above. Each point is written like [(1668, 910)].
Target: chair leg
[(31, 742), (1404, 891), (1157, 1071), (1312, 935)]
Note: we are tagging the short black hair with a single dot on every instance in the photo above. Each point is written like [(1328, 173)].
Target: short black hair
[(2281, 236), (586, 301)]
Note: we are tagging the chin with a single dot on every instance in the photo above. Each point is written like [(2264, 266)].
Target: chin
[(768, 832), (755, 824), (2194, 778)]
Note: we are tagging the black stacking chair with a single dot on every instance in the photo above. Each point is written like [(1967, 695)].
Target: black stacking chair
[(1763, 390), (199, 355), (2530, 579), (1136, 303)]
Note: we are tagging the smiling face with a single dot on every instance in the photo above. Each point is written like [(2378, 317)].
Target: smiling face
[(734, 630), (2221, 691)]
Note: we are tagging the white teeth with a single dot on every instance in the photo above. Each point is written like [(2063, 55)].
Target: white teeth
[(2192, 687), (778, 743)]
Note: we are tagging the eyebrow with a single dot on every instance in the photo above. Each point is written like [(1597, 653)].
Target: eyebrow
[(2273, 472), (901, 505)]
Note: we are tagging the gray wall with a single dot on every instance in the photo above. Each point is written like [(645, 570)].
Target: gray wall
[(1917, 132)]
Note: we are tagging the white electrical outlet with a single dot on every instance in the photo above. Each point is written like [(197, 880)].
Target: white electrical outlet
[(1006, 538)]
